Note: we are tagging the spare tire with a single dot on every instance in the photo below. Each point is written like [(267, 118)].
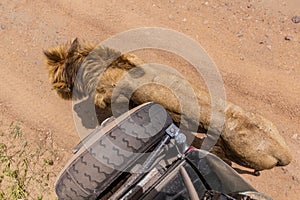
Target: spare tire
[(110, 151)]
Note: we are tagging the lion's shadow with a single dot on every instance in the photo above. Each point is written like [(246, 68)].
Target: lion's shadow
[(90, 115)]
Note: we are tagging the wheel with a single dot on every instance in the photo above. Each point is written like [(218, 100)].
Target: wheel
[(110, 151)]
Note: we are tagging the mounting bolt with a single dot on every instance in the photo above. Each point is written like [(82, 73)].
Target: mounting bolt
[(180, 138)]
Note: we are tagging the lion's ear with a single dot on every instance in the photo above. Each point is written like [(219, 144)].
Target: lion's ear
[(54, 55), (73, 48)]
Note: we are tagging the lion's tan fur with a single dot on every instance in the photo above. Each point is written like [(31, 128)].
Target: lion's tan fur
[(249, 139)]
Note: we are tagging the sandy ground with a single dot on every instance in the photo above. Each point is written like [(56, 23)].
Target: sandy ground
[(247, 40)]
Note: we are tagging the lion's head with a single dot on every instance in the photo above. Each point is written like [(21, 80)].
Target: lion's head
[(63, 63)]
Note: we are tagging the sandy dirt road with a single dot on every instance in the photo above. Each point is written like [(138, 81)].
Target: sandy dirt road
[(255, 45)]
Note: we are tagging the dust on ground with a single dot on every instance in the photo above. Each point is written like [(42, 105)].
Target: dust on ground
[(255, 45)]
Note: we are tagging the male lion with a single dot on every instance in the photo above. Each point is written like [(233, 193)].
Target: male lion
[(247, 138)]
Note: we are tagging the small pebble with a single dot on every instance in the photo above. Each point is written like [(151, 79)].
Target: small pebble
[(184, 20), (295, 137), (288, 38), (170, 16), (284, 170), (269, 47), (296, 19), (3, 26), (295, 179), (240, 33), (171, 1)]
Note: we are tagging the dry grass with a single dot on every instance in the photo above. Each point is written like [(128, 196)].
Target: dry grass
[(26, 167)]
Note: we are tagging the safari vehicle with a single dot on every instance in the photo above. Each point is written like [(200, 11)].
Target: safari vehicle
[(142, 154)]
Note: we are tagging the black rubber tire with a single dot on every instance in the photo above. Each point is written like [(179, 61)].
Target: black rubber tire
[(110, 150)]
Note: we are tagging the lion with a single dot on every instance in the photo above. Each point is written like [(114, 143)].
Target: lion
[(79, 69)]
